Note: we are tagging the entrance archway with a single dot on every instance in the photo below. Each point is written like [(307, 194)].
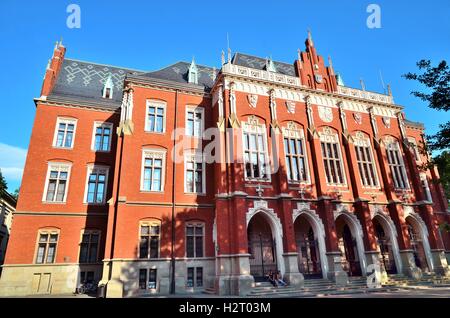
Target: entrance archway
[(349, 237), (419, 243), (262, 247), (386, 245), (309, 248)]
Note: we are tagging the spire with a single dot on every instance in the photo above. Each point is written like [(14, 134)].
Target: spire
[(299, 59), (330, 63), (363, 86), (339, 80), (193, 72), (310, 39), (270, 66)]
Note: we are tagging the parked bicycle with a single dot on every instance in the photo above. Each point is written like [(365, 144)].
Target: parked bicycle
[(87, 288)]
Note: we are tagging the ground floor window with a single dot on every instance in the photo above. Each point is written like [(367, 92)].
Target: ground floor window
[(147, 278), (195, 277), (87, 277)]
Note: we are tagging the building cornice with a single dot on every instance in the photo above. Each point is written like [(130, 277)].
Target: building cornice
[(73, 103)]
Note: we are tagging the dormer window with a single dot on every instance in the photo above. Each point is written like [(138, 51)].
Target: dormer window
[(270, 66), (193, 73), (108, 89)]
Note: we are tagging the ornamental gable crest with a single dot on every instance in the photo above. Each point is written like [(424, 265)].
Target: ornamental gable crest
[(387, 122), (290, 106), (326, 114), (252, 100)]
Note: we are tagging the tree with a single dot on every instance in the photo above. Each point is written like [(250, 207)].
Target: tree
[(442, 162), (437, 81), (16, 194), (3, 184)]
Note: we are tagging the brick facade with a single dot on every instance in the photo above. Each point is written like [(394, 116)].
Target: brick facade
[(329, 224)]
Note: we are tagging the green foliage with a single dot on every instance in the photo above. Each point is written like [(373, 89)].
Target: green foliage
[(443, 163), (437, 82), (3, 184)]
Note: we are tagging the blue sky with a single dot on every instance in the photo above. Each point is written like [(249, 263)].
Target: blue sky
[(148, 35)]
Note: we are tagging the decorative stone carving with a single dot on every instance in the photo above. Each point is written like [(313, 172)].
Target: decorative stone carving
[(358, 118), (290, 106), (326, 114), (252, 100), (318, 78), (387, 122)]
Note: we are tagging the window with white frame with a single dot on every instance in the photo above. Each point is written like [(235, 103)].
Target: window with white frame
[(97, 178), (195, 233), (102, 135), (56, 184), (89, 247), (396, 164), (148, 278), (426, 187), (149, 239), (156, 115), (332, 157), (415, 148), (295, 154), (194, 121), (153, 163), (194, 277), (255, 150), (65, 133), (365, 160), (194, 173), (46, 247)]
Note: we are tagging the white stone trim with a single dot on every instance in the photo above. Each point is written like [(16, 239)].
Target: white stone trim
[(410, 213), (357, 233), (377, 211), (276, 227), (304, 208)]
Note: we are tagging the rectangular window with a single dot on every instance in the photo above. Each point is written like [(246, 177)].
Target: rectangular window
[(149, 240), (102, 137), (65, 133), (194, 277), (46, 250), (415, 148), (366, 165), (194, 122), (96, 184), (332, 162), (147, 278), (57, 183), (295, 159), (87, 277), (153, 170), (195, 174), (426, 187), (255, 156), (89, 247), (194, 240), (397, 166), (155, 120)]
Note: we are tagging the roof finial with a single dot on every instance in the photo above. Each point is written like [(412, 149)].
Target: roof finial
[(389, 89), (228, 48), (310, 37), (223, 57), (299, 54), (330, 62), (61, 42), (363, 86)]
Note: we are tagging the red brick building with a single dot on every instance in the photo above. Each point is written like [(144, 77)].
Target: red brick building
[(189, 178)]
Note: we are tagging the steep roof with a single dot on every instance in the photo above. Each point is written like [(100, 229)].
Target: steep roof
[(178, 72), (260, 64), (84, 81)]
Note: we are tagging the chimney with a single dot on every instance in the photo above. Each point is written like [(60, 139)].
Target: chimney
[(53, 69)]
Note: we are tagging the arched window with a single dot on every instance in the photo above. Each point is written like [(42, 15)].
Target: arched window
[(195, 238), (332, 157), (295, 154), (365, 160), (149, 239), (396, 164), (255, 150)]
